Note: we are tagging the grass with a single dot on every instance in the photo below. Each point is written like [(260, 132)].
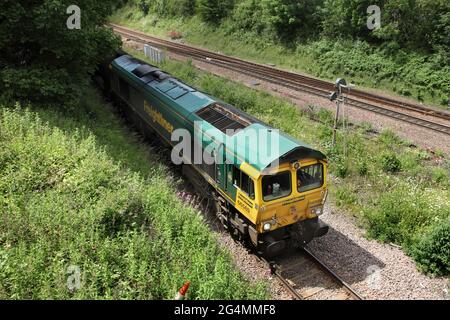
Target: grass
[(79, 193), (410, 75), (400, 194)]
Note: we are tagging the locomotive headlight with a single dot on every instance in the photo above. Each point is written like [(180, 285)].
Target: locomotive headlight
[(317, 210), (267, 226)]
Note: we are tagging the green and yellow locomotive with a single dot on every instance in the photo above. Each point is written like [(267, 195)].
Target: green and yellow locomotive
[(268, 193)]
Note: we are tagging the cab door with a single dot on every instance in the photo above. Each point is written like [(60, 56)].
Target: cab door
[(230, 183), (220, 166)]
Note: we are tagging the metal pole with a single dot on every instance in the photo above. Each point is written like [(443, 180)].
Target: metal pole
[(336, 118), (336, 121)]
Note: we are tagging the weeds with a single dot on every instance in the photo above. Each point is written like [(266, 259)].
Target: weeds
[(433, 250), (390, 163), (80, 193), (345, 197)]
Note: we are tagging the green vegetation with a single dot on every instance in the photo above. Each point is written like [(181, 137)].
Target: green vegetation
[(326, 38), (41, 59), (401, 196), (390, 162), (79, 190), (433, 251)]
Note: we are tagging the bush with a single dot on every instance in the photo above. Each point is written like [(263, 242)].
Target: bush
[(429, 73), (144, 6), (85, 193), (389, 138), (410, 163), (342, 169), (168, 8), (344, 18), (432, 252), (40, 85), (247, 17), (326, 116), (325, 133), (440, 175), (399, 215), (390, 163), (366, 127), (186, 7)]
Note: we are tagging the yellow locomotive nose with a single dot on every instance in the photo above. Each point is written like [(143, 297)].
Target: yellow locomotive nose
[(293, 193), (292, 199)]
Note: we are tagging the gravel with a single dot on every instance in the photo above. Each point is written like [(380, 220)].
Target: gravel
[(374, 270), (253, 268)]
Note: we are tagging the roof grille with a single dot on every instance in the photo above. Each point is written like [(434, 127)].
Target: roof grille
[(223, 119), (144, 69), (160, 75)]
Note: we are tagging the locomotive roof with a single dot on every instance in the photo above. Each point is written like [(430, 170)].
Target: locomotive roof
[(217, 115), (187, 98), (289, 149)]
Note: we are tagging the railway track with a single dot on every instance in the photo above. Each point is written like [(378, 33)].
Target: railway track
[(391, 108), (306, 277)]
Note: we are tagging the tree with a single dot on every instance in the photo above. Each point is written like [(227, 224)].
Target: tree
[(168, 8), (247, 16), (347, 18), (291, 18), (416, 24), (441, 34), (42, 59), (214, 11), (283, 19), (413, 24)]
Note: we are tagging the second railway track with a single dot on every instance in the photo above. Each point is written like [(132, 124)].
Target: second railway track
[(360, 99)]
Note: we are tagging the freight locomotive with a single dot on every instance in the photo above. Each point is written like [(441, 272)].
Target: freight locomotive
[(273, 202)]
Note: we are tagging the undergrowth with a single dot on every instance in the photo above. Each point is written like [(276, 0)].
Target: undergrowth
[(87, 212)]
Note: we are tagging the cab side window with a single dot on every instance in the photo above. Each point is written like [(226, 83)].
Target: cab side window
[(247, 185), (310, 177), (243, 182), (236, 177)]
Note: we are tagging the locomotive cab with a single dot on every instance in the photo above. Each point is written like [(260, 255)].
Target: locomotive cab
[(276, 200), (293, 192), (287, 203)]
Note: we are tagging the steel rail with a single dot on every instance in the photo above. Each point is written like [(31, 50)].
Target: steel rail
[(330, 272), (274, 76), (325, 84), (322, 266), (294, 293)]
